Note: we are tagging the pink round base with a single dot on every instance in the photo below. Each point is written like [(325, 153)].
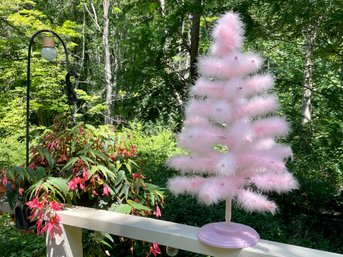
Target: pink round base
[(228, 235)]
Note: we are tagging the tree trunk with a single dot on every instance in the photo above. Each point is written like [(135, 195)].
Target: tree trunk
[(308, 79), (107, 60), (163, 7), (195, 31)]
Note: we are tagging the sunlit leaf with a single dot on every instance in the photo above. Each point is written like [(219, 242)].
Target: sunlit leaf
[(122, 208), (138, 206)]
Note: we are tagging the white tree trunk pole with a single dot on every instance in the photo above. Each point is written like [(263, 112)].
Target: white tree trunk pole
[(228, 210), (308, 78), (163, 6), (108, 71), (195, 37)]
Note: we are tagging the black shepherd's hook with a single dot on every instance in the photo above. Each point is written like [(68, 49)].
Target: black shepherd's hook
[(72, 98), (71, 94)]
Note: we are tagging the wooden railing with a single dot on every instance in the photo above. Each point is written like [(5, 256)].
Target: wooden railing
[(73, 220)]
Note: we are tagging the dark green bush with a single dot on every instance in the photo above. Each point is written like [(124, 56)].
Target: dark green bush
[(15, 243)]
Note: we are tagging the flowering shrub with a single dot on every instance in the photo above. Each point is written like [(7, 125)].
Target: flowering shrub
[(88, 166)]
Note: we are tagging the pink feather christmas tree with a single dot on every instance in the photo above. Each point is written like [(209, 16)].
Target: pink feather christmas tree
[(230, 133)]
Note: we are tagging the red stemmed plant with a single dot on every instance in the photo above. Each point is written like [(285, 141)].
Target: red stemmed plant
[(84, 165)]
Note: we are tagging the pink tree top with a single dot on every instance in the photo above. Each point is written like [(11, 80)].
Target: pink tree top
[(230, 128)]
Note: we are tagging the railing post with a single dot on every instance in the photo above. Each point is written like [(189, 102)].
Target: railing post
[(67, 244)]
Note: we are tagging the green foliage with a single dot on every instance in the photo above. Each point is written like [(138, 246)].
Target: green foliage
[(12, 152), (21, 243), (21, 19), (84, 165), (149, 54), (153, 141), (155, 144)]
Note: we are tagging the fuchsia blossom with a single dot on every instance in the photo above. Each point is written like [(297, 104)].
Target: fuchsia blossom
[(106, 190), (72, 184), (4, 181), (77, 181), (56, 206), (137, 176), (52, 226), (32, 165), (157, 212), (21, 191), (38, 210), (35, 203), (39, 224), (85, 173), (133, 150), (154, 250), (82, 186)]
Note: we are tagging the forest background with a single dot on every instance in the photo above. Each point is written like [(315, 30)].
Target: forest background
[(136, 61)]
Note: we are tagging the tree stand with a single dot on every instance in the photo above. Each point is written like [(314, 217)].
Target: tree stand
[(228, 234)]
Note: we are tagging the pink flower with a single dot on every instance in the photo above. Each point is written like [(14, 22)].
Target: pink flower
[(72, 184), (39, 226), (32, 165), (82, 186), (35, 203), (154, 249), (21, 191), (52, 145), (157, 211), (133, 150), (137, 176), (85, 173), (33, 215), (106, 190), (56, 206), (125, 152), (52, 226), (36, 207), (4, 181)]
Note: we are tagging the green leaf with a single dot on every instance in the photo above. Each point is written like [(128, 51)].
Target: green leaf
[(128, 167), (70, 163), (90, 127), (116, 10), (48, 188), (86, 160), (96, 153), (105, 171), (36, 175), (22, 173), (51, 161), (126, 191), (122, 208), (105, 143), (138, 206), (120, 177), (152, 187), (33, 189), (108, 236), (11, 195), (105, 243), (59, 183)]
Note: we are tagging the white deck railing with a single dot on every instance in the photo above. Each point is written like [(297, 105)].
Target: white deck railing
[(179, 236)]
